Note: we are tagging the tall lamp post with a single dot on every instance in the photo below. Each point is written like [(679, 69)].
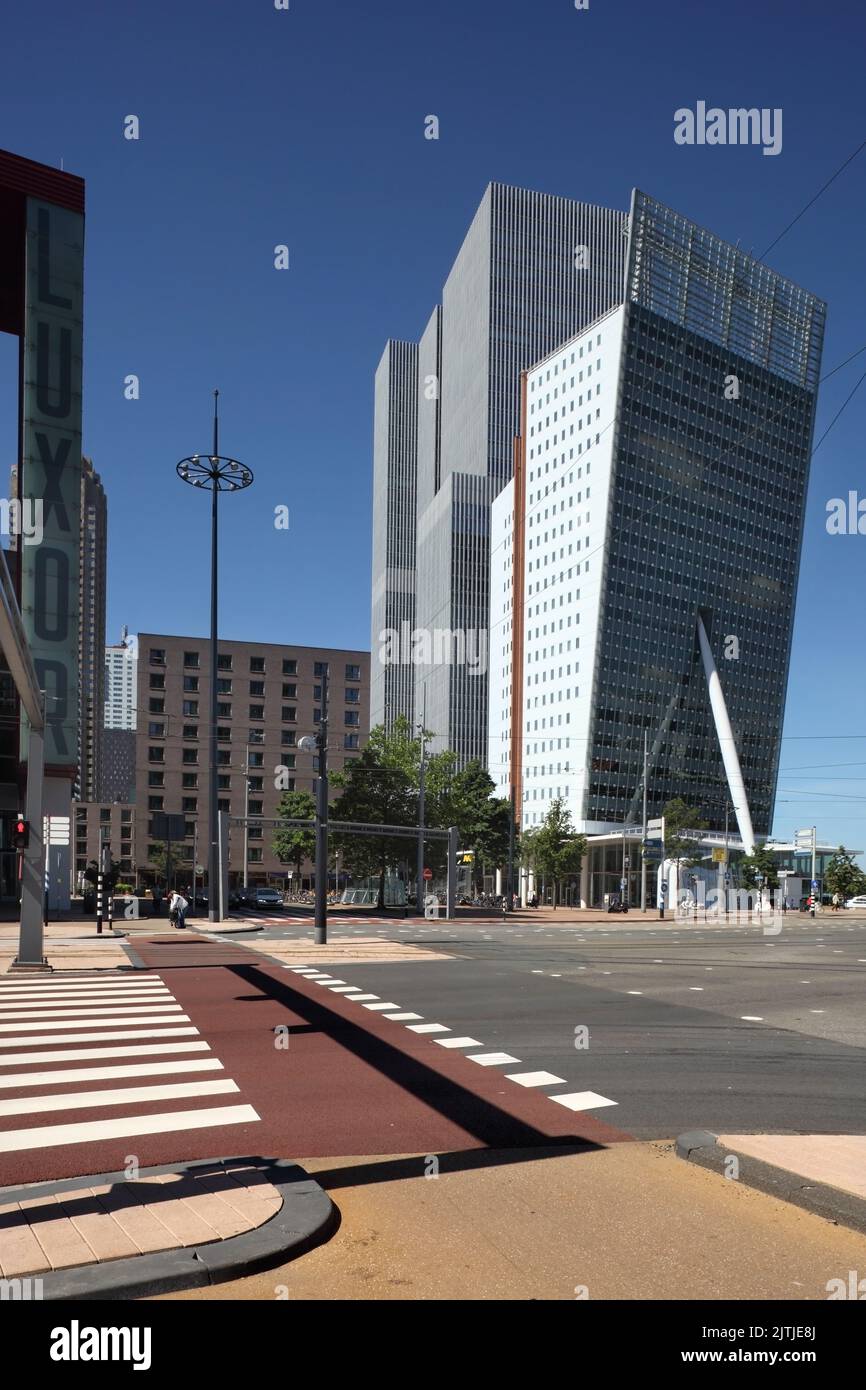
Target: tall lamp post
[(218, 474)]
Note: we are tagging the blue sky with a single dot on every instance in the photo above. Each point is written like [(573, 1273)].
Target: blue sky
[(306, 127)]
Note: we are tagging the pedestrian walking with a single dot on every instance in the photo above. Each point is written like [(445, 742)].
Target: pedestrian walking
[(177, 909), (835, 902)]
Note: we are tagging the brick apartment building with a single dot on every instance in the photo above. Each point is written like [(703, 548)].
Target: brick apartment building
[(269, 697)]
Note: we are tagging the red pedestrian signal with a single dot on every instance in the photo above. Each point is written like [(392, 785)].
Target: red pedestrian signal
[(21, 833)]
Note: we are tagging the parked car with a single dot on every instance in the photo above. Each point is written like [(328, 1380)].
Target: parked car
[(858, 904), (268, 897)]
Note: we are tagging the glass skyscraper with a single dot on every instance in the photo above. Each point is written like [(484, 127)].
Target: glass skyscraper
[(662, 466)]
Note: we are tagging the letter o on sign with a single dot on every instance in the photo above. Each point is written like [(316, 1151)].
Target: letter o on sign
[(47, 604)]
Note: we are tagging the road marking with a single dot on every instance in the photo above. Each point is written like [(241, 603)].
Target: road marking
[(92, 977), (817, 1011), (697, 989), (54, 1078), (427, 1028), (634, 991), (103, 1036), (752, 1018), (122, 1001), (583, 1100), (493, 1059), (458, 1042), (381, 1006), (400, 1018), (80, 1053), (535, 1078), (121, 988), (97, 1023), (100, 1013), (360, 998), (345, 989), (53, 1136), (125, 1095)]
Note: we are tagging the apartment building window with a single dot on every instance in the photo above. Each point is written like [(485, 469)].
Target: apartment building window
[(224, 781), (353, 697), (125, 816), (317, 692), (257, 687), (224, 686), (290, 667), (320, 668), (257, 663), (223, 805), (155, 803), (353, 718), (255, 736), (190, 708), (104, 814), (254, 832), (290, 784), (351, 740), (224, 733), (224, 710), (157, 656), (256, 808), (257, 711), (157, 682), (289, 760), (156, 729), (290, 692), (255, 856), (190, 658), (257, 759), (224, 662), (189, 804), (190, 683), (224, 757), (156, 706), (256, 784), (156, 755), (290, 713), (288, 738), (156, 779), (353, 673), (317, 716), (189, 779), (189, 755), (188, 829), (190, 730)]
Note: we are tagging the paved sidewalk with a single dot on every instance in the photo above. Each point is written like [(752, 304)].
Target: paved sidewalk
[(839, 1160), (94, 1224)]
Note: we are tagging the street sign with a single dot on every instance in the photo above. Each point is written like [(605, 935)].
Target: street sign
[(814, 885), (720, 856), (56, 830), (655, 829), (428, 873)]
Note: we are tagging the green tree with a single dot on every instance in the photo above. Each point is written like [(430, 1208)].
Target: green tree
[(157, 860), (761, 862), (843, 876), (682, 848), (482, 820), (555, 849), (294, 844), (377, 788)]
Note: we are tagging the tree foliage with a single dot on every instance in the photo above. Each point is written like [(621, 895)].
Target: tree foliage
[(682, 848), (553, 849), (761, 862), (294, 844), (843, 875)]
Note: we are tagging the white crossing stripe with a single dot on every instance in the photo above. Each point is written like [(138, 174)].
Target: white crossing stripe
[(536, 1078), (74, 977), (53, 1136), (457, 1042), (493, 1059), (427, 1028), (102, 1036), (97, 1023), (401, 1018), (126, 1095), (583, 1100), (69, 1074), (78, 1054), (345, 989), (381, 1006), (359, 998), (48, 996), (90, 1012)]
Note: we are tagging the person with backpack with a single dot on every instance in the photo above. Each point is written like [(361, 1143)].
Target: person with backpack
[(177, 909)]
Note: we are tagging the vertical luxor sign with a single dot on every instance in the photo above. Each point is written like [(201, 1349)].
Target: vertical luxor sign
[(51, 465)]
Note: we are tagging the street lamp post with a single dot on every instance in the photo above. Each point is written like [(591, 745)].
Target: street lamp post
[(218, 474)]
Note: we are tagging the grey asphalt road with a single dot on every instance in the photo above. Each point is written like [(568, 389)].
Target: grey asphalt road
[(688, 1026)]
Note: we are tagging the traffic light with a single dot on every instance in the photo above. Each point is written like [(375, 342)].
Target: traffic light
[(21, 833)]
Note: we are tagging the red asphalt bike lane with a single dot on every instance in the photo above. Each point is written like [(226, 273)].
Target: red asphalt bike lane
[(349, 1082)]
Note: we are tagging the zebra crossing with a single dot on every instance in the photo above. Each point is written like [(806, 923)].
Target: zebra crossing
[(168, 1088)]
